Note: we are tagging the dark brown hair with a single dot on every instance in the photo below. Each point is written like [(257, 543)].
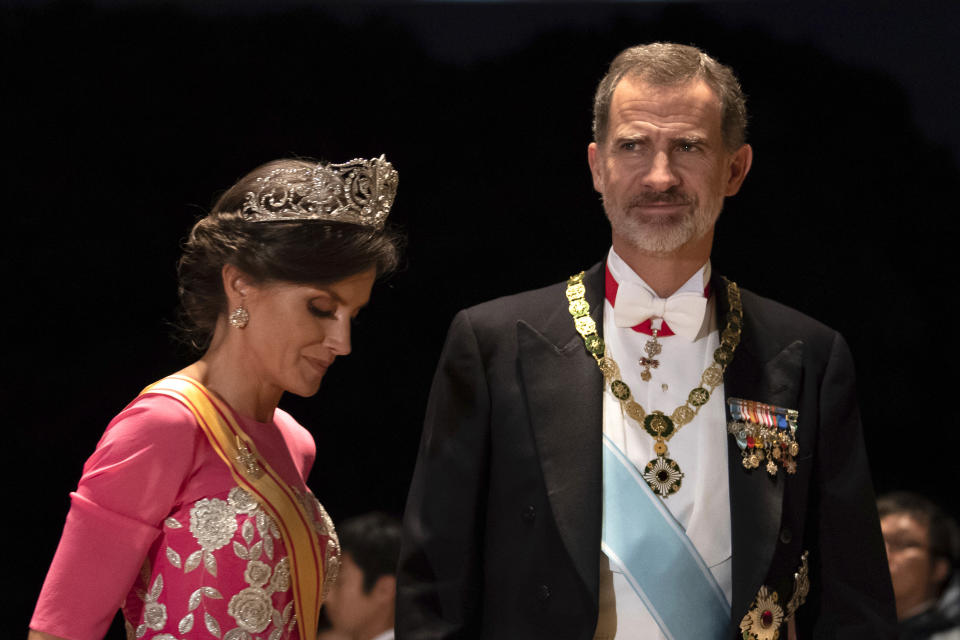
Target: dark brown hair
[(667, 64), (302, 252)]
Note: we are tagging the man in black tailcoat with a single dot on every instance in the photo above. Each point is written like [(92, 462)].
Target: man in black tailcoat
[(646, 450)]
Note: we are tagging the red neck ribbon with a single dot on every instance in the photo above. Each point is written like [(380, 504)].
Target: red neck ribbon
[(610, 292)]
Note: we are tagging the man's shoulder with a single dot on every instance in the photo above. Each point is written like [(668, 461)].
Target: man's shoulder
[(534, 306), (523, 300), (776, 315), (770, 326)]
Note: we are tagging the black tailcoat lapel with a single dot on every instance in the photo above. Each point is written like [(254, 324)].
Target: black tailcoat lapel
[(767, 372), (564, 391)]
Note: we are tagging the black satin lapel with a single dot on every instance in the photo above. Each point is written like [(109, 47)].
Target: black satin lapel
[(564, 389), (756, 498), (564, 397)]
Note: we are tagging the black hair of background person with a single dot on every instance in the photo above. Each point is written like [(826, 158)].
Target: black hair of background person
[(122, 121), (373, 541)]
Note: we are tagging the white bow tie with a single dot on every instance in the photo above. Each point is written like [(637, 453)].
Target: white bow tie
[(682, 311)]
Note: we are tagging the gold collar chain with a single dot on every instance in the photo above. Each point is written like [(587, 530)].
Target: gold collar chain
[(662, 474)]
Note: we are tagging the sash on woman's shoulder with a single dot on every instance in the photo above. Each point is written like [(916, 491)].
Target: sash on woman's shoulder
[(255, 475)]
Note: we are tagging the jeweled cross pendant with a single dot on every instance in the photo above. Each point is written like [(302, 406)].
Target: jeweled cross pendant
[(647, 364), (653, 348)]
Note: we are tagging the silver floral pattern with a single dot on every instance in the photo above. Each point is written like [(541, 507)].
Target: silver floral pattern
[(207, 551), (213, 523), (323, 525), (252, 609), (257, 573), (280, 580), (332, 556), (242, 501), (154, 613)]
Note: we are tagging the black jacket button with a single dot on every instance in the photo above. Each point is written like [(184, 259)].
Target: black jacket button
[(529, 514), (786, 535), (543, 593)]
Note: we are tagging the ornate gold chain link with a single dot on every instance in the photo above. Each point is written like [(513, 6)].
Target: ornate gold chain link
[(662, 474)]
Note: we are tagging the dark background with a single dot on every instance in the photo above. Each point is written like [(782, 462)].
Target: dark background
[(122, 122)]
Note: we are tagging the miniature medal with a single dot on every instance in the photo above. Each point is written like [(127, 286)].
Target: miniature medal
[(764, 433), (766, 616)]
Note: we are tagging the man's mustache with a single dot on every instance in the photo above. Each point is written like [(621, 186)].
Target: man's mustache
[(669, 196)]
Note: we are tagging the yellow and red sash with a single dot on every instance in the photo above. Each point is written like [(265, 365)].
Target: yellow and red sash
[(255, 475)]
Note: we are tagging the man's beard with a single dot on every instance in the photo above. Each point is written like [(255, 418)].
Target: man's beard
[(663, 233)]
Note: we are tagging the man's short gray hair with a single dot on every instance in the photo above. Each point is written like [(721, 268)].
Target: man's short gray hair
[(666, 64)]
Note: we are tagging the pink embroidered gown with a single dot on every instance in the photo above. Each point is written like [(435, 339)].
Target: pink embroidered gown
[(159, 528)]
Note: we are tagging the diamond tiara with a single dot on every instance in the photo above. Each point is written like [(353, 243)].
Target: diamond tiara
[(359, 191)]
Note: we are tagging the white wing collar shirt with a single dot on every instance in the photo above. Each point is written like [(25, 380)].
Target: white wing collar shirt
[(702, 505)]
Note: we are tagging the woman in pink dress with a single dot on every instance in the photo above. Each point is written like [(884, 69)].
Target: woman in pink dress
[(193, 515)]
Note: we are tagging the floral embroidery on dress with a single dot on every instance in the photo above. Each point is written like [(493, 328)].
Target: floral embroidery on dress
[(154, 613), (323, 525), (252, 608), (238, 543), (213, 523), (280, 580)]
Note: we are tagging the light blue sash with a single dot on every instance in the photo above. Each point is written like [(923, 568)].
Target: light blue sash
[(659, 561)]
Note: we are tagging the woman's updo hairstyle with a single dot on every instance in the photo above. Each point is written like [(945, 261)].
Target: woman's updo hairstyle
[(316, 252)]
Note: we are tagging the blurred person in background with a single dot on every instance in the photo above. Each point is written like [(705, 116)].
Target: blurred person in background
[(361, 603), (923, 546)]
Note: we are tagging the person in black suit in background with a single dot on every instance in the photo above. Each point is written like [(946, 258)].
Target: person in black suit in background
[(646, 450)]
